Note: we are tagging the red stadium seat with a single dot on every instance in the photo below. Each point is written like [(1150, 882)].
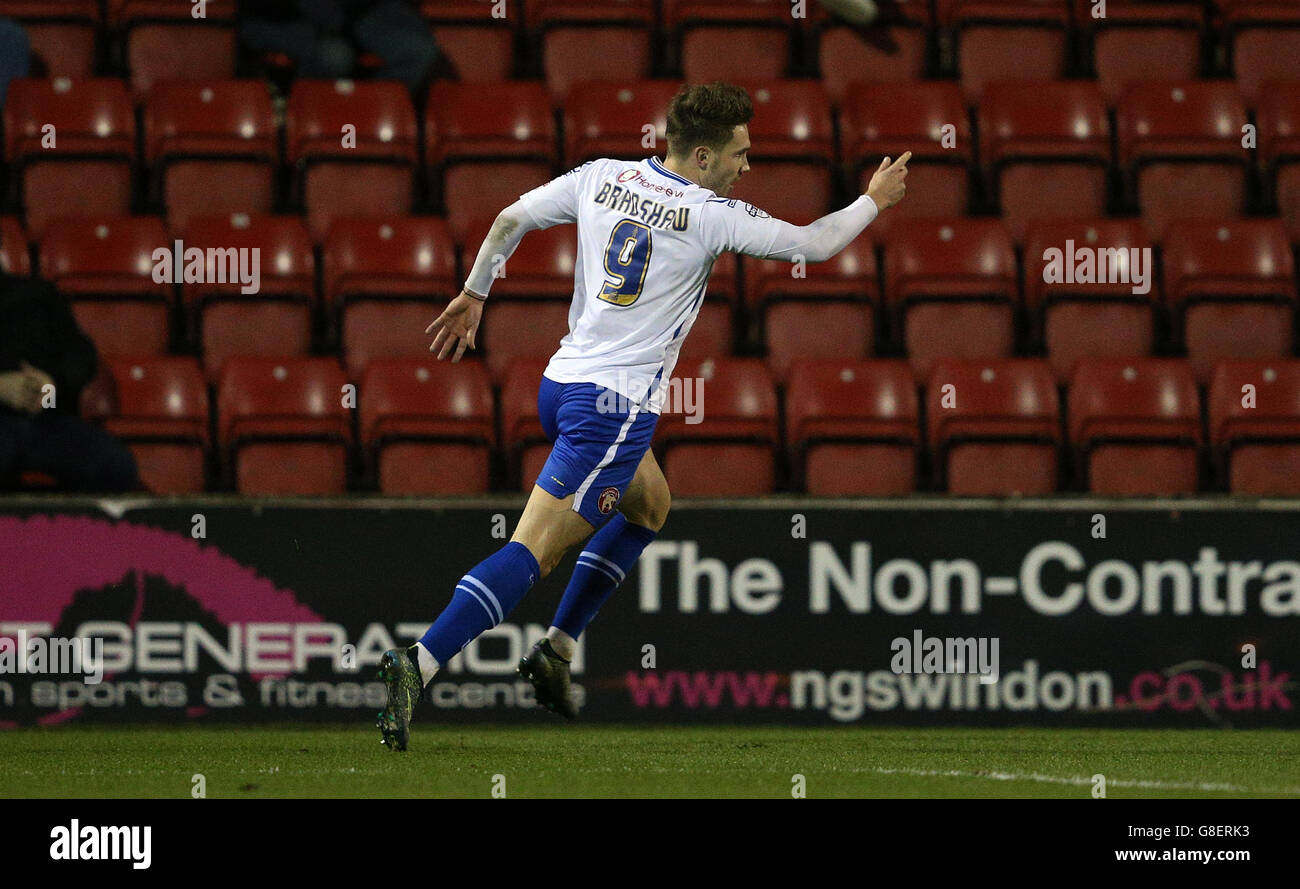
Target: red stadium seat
[(355, 145), (104, 265), (473, 193), (1135, 425), (582, 41), (1044, 146), (541, 266), (521, 329), (713, 334), (387, 277), (852, 427), (850, 274), (726, 40), (165, 41), (1122, 43), (487, 144), (1278, 114), (951, 286), (1180, 149), (792, 120), (478, 55), (793, 146), (984, 29), (816, 310), (389, 256), (994, 426), (786, 190), (715, 53), (1254, 409), (480, 46), (159, 407), (1265, 41), (607, 119), (213, 147), (879, 121), (571, 56), (427, 425), (283, 427), (71, 145), (1233, 286), (14, 256), (724, 280), (846, 57), (60, 33), (1086, 311), (386, 328), (717, 437), (525, 444), (465, 122), (833, 329), (276, 319)]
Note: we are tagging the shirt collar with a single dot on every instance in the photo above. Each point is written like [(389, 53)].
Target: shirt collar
[(659, 168)]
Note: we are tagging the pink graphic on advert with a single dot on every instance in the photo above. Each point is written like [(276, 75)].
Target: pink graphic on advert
[(49, 560)]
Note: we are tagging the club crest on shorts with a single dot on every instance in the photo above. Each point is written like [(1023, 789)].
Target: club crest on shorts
[(607, 500)]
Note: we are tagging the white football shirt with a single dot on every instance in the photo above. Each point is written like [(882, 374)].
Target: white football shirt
[(647, 239)]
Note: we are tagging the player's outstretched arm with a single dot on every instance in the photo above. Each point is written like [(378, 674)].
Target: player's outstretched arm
[(819, 241), (456, 328)]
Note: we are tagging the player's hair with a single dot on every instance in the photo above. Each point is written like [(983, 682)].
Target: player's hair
[(706, 114)]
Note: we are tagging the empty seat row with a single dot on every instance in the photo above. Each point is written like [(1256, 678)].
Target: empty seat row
[(1183, 148), (939, 289), (847, 428), (567, 42)]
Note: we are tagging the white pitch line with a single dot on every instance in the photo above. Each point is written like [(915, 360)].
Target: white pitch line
[(1079, 781)]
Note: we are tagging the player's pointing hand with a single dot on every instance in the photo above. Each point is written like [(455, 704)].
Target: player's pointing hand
[(456, 327), (887, 187)]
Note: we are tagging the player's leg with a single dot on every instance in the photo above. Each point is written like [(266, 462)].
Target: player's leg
[(611, 553), (485, 595), (561, 511), (489, 591), (614, 549)]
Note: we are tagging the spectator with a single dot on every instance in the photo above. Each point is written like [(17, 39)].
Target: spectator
[(325, 37), (15, 55), (40, 346)]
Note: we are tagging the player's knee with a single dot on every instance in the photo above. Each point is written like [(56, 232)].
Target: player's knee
[(546, 564), (652, 507)]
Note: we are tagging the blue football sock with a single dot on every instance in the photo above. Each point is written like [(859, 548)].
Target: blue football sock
[(602, 565), (482, 599)]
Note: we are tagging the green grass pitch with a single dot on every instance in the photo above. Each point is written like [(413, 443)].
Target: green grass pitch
[(554, 760)]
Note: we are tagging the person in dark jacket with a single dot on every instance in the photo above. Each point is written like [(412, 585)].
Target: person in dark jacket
[(15, 55), (45, 362), (324, 37)]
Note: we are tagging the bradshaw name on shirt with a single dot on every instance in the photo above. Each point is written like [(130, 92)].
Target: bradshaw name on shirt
[(622, 199)]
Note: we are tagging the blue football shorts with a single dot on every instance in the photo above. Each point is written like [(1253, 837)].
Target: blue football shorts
[(598, 441)]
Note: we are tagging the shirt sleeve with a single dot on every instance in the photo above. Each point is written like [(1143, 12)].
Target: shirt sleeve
[(556, 202), (733, 225)]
